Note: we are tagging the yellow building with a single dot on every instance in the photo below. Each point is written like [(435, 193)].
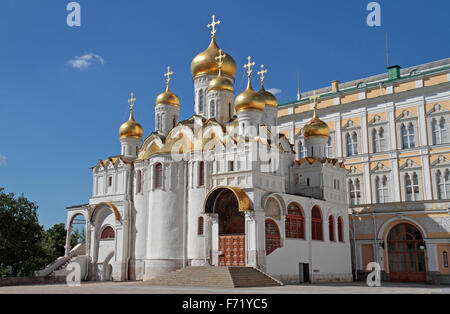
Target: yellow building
[(392, 132)]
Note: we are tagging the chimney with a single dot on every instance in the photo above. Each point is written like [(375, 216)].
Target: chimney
[(335, 86), (394, 72)]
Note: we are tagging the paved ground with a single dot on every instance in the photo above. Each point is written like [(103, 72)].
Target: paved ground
[(142, 288)]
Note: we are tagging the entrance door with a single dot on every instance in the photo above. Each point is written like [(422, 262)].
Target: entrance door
[(232, 249), (406, 250)]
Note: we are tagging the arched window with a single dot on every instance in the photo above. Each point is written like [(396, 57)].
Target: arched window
[(212, 108), (408, 136), (378, 140), (158, 176), (381, 190), (412, 187), (139, 181), (301, 150), (331, 228), (273, 238), (295, 222), (330, 153), (201, 173), (443, 184), (200, 225), (200, 100), (439, 131), (230, 113), (354, 188), (174, 121), (108, 234), (316, 224), (340, 230), (352, 144)]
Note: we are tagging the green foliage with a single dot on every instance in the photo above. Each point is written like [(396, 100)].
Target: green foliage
[(20, 235)]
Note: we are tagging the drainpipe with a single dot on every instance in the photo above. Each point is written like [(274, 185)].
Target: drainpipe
[(375, 236), (354, 245)]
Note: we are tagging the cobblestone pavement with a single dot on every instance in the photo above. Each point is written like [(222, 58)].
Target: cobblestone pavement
[(142, 288)]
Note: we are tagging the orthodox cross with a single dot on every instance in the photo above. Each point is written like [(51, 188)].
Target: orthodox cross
[(261, 73), (213, 25), (249, 66), (131, 102), (220, 58), (168, 74), (315, 99)]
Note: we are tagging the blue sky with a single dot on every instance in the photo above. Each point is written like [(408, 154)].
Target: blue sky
[(56, 121)]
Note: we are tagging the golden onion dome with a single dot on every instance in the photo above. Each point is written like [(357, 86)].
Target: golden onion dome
[(269, 98), (221, 83), (131, 129), (249, 100), (205, 62), (168, 98), (316, 128)]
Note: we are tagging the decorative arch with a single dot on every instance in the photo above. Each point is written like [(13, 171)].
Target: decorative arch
[(78, 213), (316, 223), (108, 233), (110, 206), (295, 221), (243, 200), (272, 208), (387, 226)]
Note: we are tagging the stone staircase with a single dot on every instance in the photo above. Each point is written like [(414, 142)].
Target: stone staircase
[(220, 277)]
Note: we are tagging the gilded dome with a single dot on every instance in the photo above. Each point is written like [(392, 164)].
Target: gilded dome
[(269, 98), (249, 100), (205, 62), (316, 127), (221, 83), (131, 129), (168, 98)]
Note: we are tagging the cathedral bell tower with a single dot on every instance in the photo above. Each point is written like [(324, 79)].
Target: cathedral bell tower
[(130, 134), (167, 109), (317, 134)]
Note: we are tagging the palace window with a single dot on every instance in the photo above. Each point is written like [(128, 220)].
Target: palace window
[(340, 230), (354, 188), (273, 238), (330, 153), (445, 257), (200, 100), (443, 184), (408, 136), (381, 189), (378, 140), (302, 150), (316, 224), (352, 144), (439, 130), (108, 234), (201, 222), (158, 176), (412, 187), (201, 173), (295, 222), (331, 228)]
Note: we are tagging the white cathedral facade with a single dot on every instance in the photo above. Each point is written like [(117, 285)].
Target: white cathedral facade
[(222, 188)]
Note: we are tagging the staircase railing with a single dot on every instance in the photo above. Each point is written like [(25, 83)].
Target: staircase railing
[(80, 249)]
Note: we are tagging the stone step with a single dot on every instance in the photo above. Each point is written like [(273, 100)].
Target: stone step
[(225, 277)]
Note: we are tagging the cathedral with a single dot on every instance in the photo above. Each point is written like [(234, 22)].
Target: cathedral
[(222, 188)]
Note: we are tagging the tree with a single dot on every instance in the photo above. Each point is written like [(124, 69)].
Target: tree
[(21, 250)]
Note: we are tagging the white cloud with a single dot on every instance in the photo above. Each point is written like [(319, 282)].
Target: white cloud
[(2, 160), (84, 61), (274, 91)]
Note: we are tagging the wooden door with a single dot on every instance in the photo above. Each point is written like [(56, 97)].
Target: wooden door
[(232, 248)]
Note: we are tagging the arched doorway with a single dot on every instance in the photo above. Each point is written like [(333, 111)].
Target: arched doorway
[(406, 249), (229, 204)]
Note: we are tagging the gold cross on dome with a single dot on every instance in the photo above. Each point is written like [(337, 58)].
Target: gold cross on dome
[(213, 25), (131, 102), (249, 66), (168, 74), (262, 72), (220, 58), (315, 99)]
